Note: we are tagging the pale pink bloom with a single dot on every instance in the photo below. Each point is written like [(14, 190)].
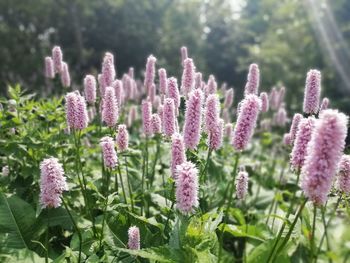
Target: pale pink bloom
[(118, 91), (71, 101), (57, 58), (212, 85), (324, 104), (150, 72), (187, 80), (344, 174), (49, 68), (157, 102), (178, 155), (65, 76), (193, 119), (281, 94), (5, 171), (253, 80), (52, 183), (101, 84), (186, 187), (274, 98), (173, 91), (265, 124), (312, 92), (246, 122), (162, 80), (152, 93), (198, 80), (264, 102), (323, 155), (108, 70), (184, 55), (90, 89), (242, 184), (228, 98), (228, 130), (134, 238), (131, 72), (168, 117), (226, 115), (215, 136), (122, 138), (156, 123), (91, 114), (287, 139), (294, 127), (146, 117), (132, 116), (81, 118), (211, 112), (281, 117), (110, 107), (110, 158)]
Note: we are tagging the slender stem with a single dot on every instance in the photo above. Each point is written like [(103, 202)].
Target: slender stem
[(171, 208), (155, 161), (143, 175), (229, 204), (129, 185), (203, 177), (312, 240), (286, 239), (75, 226), (122, 184), (47, 237), (326, 226), (104, 211)]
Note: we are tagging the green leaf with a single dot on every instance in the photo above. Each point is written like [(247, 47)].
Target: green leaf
[(161, 254), (17, 219), (261, 253)]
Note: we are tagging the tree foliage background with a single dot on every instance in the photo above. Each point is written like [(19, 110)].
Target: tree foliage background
[(286, 38)]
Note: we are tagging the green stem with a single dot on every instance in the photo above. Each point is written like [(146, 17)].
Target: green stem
[(47, 237), (312, 240), (287, 237), (75, 226), (171, 208), (234, 172), (144, 174), (326, 226), (155, 161), (203, 177), (122, 184), (129, 185), (104, 211)]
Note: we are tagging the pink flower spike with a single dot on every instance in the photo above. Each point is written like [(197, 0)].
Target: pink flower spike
[(215, 136), (324, 104), (150, 72), (287, 139), (187, 80), (90, 89), (156, 124), (294, 127), (264, 102), (253, 80), (211, 112), (52, 183), (273, 98), (246, 122), (132, 116), (101, 85), (312, 92), (169, 117), (212, 85), (110, 108), (186, 187), (280, 96), (184, 55), (193, 119), (65, 77), (134, 238), (242, 184), (281, 117), (146, 117), (198, 80), (131, 72), (122, 138), (162, 81), (71, 101), (178, 155), (110, 157), (81, 118), (57, 58), (228, 130), (119, 91), (228, 98), (108, 70), (173, 91), (323, 155), (344, 174), (49, 68)]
